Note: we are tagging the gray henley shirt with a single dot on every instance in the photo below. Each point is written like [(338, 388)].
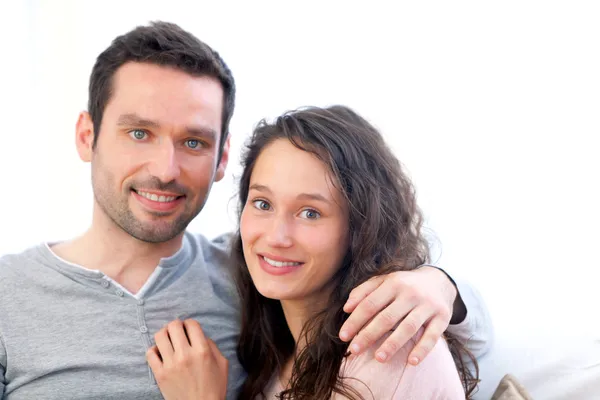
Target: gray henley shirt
[(67, 332)]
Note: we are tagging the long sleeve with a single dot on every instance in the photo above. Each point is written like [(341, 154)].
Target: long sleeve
[(2, 368), (435, 377), (476, 331)]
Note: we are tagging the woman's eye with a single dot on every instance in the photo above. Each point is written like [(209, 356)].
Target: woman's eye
[(261, 205), (138, 134), (310, 214), (193, 143)]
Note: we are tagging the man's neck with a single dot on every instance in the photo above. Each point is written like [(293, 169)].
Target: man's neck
[(107, 248)]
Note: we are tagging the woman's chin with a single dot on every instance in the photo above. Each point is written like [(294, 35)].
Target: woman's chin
[(275, 294)]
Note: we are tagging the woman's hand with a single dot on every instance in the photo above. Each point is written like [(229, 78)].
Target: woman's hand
[(187, 364)]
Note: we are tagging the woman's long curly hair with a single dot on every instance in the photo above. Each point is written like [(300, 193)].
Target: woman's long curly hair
[(385, 236)]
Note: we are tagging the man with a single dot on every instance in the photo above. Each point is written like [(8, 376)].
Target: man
[(77, 317)]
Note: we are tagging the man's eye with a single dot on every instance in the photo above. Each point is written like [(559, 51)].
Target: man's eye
[(138, 134), (193, 143)]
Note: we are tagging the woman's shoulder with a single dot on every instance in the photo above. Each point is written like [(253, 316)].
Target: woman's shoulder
[(367, 357), (435, 377)]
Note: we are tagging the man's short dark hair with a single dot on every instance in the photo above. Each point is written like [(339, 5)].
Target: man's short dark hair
[(159, 43)]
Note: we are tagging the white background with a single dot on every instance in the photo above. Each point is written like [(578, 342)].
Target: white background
[(494, 108)]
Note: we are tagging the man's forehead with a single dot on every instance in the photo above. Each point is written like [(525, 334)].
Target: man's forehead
[(172, 98), (147, 79)]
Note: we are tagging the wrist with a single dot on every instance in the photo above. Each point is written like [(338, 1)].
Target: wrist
[(459, 309)]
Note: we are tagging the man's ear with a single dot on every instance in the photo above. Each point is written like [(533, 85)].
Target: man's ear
[(84, 136), (223, 162)]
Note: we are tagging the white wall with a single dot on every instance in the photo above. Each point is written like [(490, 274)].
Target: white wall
[(492, 106)]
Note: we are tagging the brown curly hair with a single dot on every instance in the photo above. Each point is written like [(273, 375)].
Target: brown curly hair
[(385, 226)]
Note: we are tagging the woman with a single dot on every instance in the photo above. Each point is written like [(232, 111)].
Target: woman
[(321, 198), (325, 206)]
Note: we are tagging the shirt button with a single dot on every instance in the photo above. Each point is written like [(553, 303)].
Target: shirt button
[(119, 293), (143, 329), (141, 302), (105, 284)]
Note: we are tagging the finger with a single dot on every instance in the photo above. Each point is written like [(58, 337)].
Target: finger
[(434, 330), (367, 310), (360, 292), (178, 337), (164, 345), (407, 329), (222, 362), (195, 333), (214, 349), (387, 320), (153, 358)]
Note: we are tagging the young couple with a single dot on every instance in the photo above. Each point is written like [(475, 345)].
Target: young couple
[(323, 292)]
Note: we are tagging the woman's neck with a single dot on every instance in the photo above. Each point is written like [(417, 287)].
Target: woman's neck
[(297, 314)]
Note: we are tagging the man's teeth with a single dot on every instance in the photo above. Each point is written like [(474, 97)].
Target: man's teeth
[(153, 197), (280, 264)]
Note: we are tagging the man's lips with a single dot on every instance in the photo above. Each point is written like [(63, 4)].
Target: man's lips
[(158, 201), (158, 195)]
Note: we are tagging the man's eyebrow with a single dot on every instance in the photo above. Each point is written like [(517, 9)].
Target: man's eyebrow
[(136, 120), (202, 132)]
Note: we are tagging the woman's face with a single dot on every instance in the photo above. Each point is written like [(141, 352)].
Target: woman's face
[(294, 225)]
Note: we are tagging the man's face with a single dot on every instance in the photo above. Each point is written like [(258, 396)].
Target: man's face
[(156, 155)]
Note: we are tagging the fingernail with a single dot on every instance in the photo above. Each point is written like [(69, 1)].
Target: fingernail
[(344, 335), (382, 356), (413, 360), (355, 348)]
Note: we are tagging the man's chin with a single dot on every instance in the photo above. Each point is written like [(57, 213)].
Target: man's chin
[(156, 231), (155, 237)]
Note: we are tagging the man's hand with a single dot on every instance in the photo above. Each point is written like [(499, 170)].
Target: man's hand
[(406, 299), (187, 364)]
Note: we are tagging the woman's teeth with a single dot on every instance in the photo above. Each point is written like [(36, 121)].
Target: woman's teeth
[(279, 264)]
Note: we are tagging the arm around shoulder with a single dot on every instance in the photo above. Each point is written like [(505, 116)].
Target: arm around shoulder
[(2, 367), (476, 330)]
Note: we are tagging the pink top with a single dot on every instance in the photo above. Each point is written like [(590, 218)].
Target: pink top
[(435, 378)]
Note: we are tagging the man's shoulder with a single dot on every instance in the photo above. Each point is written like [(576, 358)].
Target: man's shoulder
[(217, 261), (215, 253), (18, 270), (11, 263), (219, 246)]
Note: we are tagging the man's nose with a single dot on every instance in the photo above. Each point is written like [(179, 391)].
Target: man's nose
[(165, 163)]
